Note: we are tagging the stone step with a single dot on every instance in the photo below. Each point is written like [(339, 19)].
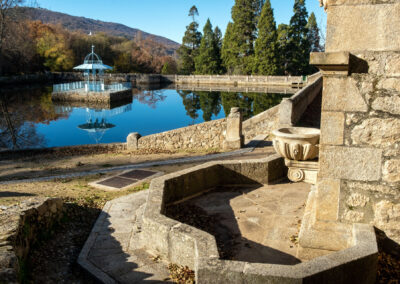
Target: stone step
[(113, 254)]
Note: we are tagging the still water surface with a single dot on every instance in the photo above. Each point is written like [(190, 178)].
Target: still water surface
[(29, 118)]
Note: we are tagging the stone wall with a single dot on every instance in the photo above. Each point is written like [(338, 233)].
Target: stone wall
[(292, 109), (105, 97), (360, 147), (359, 176), (262, 123), (21, 226), (204, 135), (144, 79), (238, 80)]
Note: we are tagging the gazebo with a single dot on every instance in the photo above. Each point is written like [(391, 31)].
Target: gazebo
[(93, 68), (92, 87)]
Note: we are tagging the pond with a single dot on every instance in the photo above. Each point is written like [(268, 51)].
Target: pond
[(30, 119)]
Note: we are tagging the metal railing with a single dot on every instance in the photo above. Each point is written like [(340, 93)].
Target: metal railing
[(91, 87)]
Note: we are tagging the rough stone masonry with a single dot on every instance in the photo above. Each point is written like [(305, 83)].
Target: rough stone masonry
[(359, 166)]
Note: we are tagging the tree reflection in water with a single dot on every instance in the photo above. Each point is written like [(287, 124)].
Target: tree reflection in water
[(20, 110), (150, 97), (210, 103)]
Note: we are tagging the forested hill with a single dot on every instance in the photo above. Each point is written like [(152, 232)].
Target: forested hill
[(86, 25)]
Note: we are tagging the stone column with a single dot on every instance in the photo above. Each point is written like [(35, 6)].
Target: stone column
[(234, 138), (359, 160), (132, 141)]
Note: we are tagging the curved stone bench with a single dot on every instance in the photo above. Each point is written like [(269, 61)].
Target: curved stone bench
[(185, 245)]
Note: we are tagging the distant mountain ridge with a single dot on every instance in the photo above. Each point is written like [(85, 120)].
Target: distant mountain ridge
[(86, 25)]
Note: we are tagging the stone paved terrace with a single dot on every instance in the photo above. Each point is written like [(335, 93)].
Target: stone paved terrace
[(262, 221), (253, 224)]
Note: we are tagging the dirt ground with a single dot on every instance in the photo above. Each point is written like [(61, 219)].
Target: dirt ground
[(49, 164)]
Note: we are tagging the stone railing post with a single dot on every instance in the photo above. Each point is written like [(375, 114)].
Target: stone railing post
[(234, 138), (132, 141)]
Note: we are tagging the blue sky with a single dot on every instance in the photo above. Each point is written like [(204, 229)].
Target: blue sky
[(168, 18)]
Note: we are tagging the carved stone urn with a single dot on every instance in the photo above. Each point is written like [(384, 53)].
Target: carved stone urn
[(299, 147), (297, 143)]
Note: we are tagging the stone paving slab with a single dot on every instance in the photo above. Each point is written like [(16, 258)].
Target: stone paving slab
[(110, 254), (125, 180)]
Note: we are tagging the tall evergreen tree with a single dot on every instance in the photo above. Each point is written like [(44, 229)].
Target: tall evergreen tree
[(299, 48), (238, 57), (208, 59), (190, 44), (218, 44), (313, 34), (266, 48), (258, 6), (228, 56), (282, 42)]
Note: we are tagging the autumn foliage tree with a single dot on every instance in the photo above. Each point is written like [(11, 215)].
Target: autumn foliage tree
[(51, 45)]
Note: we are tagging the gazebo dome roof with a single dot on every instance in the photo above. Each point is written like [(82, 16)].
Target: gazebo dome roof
[(92, 62)]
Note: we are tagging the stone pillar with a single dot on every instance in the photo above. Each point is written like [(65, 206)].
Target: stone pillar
[(359, 162), (234, 138), (132, 141)]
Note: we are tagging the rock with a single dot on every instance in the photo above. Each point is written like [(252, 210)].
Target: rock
[(391, 170), (377, 132), (357, 200), (387, 104), (353, 216)]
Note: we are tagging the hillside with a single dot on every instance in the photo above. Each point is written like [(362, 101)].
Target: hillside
[(86, 25)]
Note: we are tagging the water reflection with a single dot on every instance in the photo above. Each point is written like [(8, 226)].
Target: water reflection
[(210, 103), (29, 118), (149, 97), (20, 113), (97, 121)]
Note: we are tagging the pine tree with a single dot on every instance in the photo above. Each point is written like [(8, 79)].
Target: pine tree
[(228, 56), (313, 34), (266, 48), (238, 57), (208, 60), (218, 46), (190, 44), (282, 42), (298, 49)]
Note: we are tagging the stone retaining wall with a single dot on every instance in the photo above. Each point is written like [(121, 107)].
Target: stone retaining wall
[(140, 79), (98, 97), (204, 135), (21, 226), (239, 80), (262, 123), (292, 109)]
